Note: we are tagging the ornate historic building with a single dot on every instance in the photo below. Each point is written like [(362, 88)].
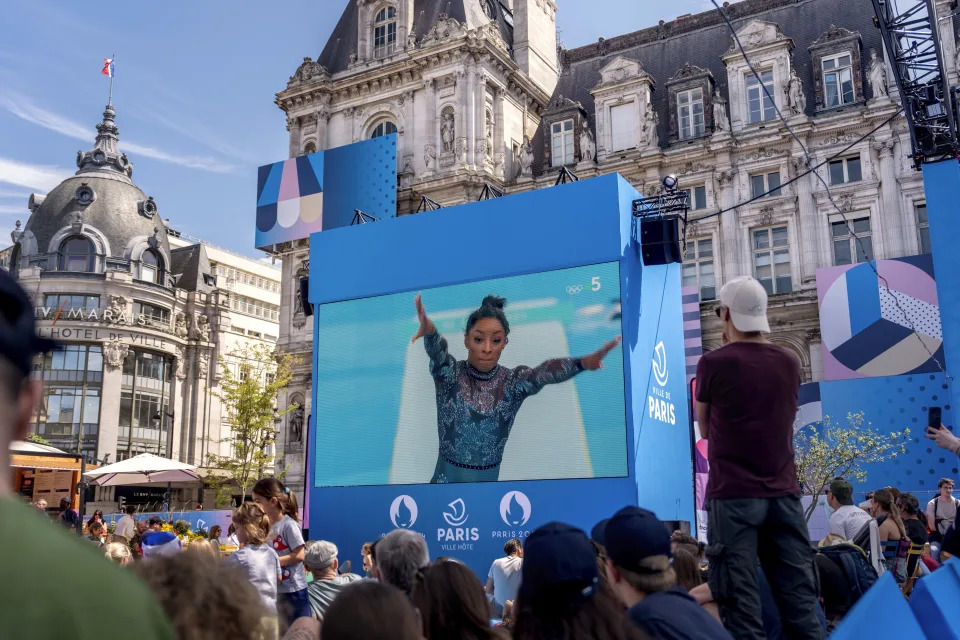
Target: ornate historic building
[(142, 314), (481, 94)]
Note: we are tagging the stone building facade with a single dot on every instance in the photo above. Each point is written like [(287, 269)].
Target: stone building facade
[(142, 313), (481, 94)]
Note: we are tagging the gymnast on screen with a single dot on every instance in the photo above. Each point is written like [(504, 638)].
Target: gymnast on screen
[(478, 400)]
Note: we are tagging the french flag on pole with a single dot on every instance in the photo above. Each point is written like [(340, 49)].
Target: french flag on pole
[(107, 67)]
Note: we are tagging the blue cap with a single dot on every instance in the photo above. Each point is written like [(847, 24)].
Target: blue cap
[(160, 543), (634, 534), (557, 553)]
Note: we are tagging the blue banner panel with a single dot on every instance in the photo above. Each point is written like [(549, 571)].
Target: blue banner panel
[(940, 182), (469, 522), (895, 403)]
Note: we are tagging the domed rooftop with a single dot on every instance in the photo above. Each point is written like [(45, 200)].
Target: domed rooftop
[(100, 202)]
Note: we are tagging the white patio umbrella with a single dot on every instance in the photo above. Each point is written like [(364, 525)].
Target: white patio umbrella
[(143, 469)]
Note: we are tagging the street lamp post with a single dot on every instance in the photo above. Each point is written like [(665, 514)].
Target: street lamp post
[(157, 418)]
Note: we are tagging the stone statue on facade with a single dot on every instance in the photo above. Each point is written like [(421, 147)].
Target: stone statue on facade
[(296, 424), (488, 137), (877, 75), (203, 364), (648, 135), (114, 353), (526, 158), (202, 326), (588, 148), (429, 156), (796, 99), (117, 307), (721, 121), (181, 363), (447, 132), (180, 325)]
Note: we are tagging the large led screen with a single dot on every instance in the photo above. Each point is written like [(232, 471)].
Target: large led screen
[(391, 409)]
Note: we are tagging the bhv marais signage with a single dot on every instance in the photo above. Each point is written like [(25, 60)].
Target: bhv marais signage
[(102, 316)]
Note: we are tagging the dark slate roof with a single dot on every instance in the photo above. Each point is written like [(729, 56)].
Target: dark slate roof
[(190, 265), (114, 212), (343, 41), (701, 39)]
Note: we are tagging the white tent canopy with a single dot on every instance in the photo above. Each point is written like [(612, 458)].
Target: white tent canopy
[(143, 469), (26, 447)]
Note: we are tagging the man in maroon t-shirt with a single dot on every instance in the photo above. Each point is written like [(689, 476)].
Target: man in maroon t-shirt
[(746, 406)]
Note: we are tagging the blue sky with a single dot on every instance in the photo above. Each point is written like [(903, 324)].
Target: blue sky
[(193, 93)]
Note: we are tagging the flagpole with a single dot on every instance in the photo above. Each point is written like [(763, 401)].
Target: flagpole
[(112, 60)]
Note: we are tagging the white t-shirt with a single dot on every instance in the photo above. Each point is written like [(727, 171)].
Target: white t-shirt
[(946, 513), (126, 527), (506, 574), (848, 520)]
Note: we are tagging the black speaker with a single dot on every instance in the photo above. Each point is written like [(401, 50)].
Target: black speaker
[(304, 290), (660, 240)]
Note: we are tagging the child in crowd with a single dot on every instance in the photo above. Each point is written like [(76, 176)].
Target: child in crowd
[(257, 558), (118, 552), (280, 505)]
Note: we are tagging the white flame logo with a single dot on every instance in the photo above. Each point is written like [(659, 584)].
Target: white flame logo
[(509, 505), (403, 519), (660, 365)]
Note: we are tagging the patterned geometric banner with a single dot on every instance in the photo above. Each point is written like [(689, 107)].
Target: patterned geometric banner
[(872, 328), (322, 190)]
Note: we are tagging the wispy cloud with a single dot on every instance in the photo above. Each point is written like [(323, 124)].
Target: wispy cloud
[(199, 133), (33, 176), (9, 210), (24, 109), (6, 193)]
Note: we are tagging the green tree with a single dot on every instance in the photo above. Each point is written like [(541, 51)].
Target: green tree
[(252, 376), (825, 450)]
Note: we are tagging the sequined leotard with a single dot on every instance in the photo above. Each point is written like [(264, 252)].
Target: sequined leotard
[(476, 409)]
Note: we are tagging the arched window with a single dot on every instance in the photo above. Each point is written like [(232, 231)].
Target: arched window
[(385, 32), (310, 147), (151, 267), (77, 254), (383, 128)]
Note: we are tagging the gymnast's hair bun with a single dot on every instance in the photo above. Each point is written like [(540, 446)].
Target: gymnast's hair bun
[(495, 302)]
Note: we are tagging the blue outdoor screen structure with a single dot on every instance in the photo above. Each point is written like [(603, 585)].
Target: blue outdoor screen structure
[(579, 449)]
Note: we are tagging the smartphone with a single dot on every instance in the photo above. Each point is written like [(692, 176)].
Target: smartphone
[(933, 417)]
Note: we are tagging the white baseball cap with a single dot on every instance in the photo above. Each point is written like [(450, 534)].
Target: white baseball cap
[(747, 301)]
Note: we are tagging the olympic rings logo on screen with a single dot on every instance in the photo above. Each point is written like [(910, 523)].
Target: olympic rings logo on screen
[(574, 289)]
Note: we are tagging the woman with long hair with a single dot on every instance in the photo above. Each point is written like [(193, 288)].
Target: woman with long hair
[(687, 568), (214, 536), (478, 400), (452, 604), (890, 529)]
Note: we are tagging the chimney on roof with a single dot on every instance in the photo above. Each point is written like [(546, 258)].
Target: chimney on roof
[(535, 41)]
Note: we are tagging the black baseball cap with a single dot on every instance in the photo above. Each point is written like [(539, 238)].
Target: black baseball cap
[(18, 333), (557, 553), (599, 534), (634, 534)]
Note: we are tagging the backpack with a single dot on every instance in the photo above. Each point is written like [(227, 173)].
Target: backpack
[(855, 566), (935, 535)]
